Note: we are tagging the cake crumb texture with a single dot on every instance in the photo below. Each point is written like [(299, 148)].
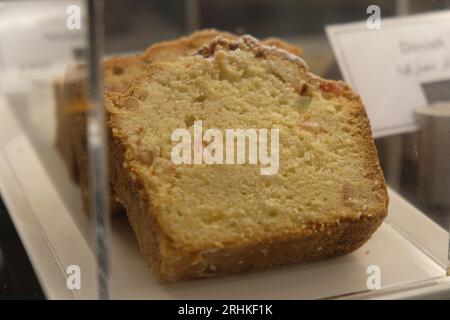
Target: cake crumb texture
[(195, 221)]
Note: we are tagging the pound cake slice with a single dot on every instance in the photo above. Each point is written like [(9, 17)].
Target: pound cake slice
[(117, 74), (202, 220)]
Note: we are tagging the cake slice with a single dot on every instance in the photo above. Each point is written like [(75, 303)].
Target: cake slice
[(117, 74), (325, 199)]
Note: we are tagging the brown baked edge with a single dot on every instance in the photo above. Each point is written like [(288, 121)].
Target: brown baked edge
[(199, 38), (71, 139), (64, 141)]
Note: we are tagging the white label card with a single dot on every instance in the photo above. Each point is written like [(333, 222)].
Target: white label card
[(402, 66)]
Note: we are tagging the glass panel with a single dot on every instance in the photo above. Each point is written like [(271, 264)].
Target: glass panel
[(46, 85)]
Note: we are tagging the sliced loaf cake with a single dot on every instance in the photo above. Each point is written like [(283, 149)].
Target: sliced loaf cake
[(200, 220)]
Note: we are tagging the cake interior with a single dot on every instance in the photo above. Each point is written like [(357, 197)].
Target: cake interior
[(323, 173)]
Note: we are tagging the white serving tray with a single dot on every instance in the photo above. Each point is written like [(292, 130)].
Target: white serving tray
[(45, 206)]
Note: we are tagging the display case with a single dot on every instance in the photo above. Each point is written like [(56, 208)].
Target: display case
[(59, 62)]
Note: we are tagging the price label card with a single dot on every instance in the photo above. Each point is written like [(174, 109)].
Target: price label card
[(403, 65)]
